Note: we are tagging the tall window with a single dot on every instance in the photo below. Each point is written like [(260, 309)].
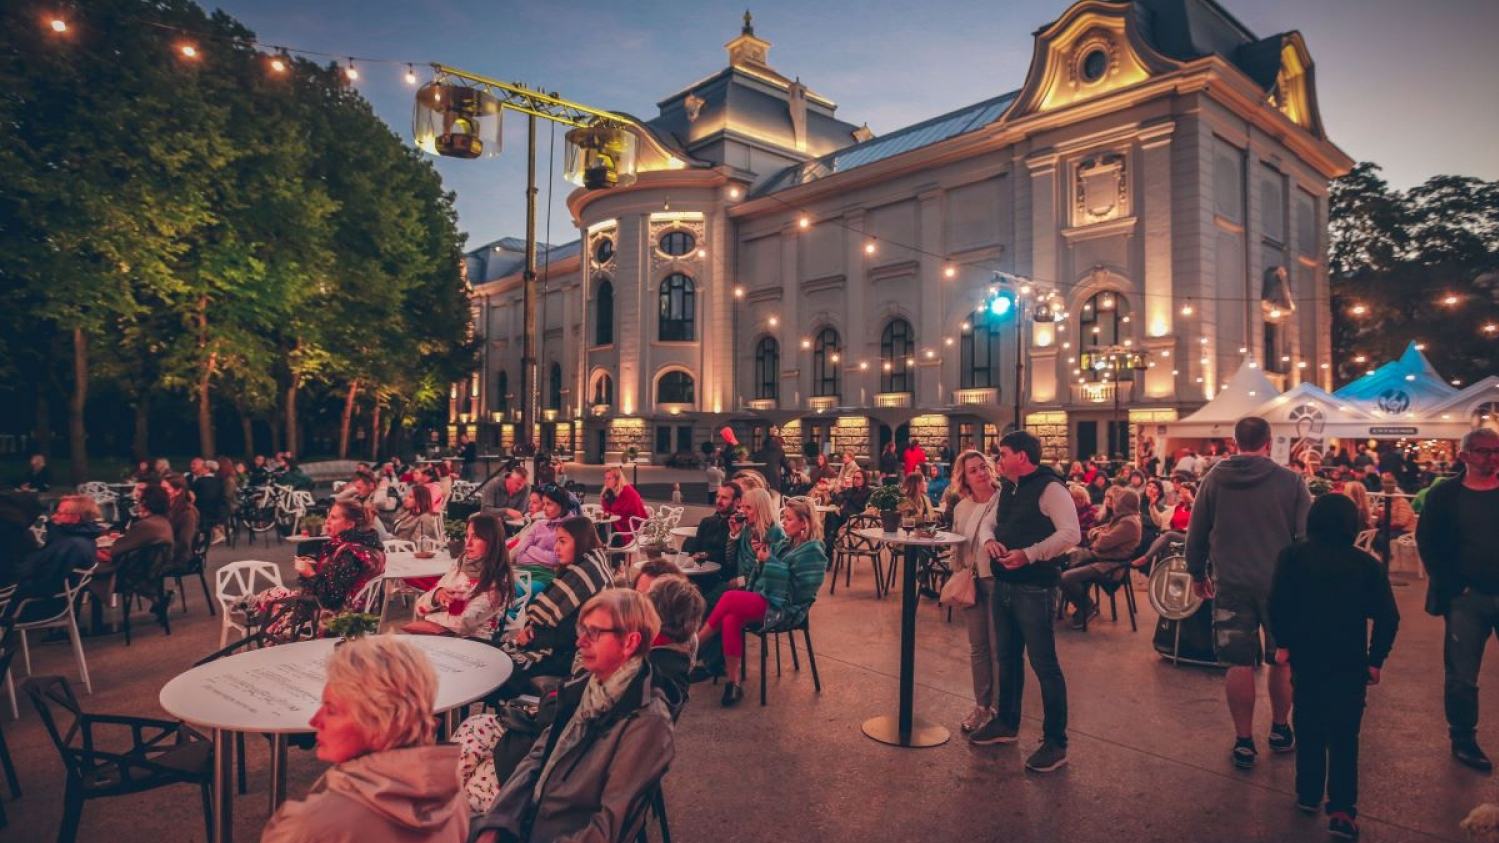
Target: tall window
[(502, 392), (677, 321), (1104, 320), (897, 347), (825, 360), (603, 313), (767, 368), (554, 387), (675, 388), (980, 351), (603, 390), (1272, 350)]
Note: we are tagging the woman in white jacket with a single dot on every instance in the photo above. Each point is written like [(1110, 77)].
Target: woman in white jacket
[(974, 518)]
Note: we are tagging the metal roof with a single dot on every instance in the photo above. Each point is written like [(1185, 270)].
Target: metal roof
[(967, 119)]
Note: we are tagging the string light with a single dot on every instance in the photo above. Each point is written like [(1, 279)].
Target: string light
[(869, 248), (1490, 328), (1359, 310), (805, 222), (59, 25), (351, 71), (733, 193), (278, 65), (1187, 308), (806, 344), (189, 51), (947, 341), (738, 292), (1449, 300), (410, 75), (951, 271), (773, 321)]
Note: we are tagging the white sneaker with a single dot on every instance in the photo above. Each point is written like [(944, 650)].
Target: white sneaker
[(977, 718)]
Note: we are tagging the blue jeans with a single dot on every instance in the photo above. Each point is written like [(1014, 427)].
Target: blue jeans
[(1472, 618), (1023, 618)]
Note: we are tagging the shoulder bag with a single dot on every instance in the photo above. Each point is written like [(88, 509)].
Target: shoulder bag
[(960, 589)]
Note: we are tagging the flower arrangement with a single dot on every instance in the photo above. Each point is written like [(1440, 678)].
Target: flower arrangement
[(348, 625), (654, 533), (885, 498)]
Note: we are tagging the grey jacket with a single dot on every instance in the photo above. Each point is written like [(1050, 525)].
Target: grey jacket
[(1248, 510), (596, 792)]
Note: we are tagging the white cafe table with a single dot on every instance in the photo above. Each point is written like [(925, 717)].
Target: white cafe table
[(906, 729), (276, 690), (404, 565)]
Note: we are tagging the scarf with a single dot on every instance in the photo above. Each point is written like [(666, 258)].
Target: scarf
[(599, 698)]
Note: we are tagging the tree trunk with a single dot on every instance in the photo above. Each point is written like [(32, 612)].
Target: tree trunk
[(289, 405), (275, 434), (375, 432), (77, 434), (347, 420), (247, 431), (205, 378), (42, 440), (141, 445)]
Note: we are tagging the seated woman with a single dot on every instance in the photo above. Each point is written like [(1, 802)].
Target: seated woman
[(329, 582), (821, 469), (536, 547), (620, 498), (545, 645), (779, 588), (390, 779), (609, 744), (1173, 525), (1109, 549), (471, 599), (150, 528), (419, 519), (1087, 513), (852, 500), (914, 504)]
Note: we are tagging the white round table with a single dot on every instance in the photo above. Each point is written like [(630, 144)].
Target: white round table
[(906, 729), (404, 565), (276, 690), (684, 532)]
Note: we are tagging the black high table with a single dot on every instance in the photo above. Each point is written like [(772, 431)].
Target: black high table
[(905, 728)]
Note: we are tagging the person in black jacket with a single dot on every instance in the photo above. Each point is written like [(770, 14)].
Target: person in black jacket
[(1457, 536), (1323, 595), (711, 544), (72, 533), (773, 454)]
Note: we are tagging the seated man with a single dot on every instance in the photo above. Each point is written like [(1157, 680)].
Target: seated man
[(509, 498), (1108, 553), (610, 743), (711, 544)]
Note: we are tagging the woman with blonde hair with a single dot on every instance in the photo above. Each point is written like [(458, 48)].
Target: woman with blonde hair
[(788, 567), (390, 780), (621, 499), (974, 517), (1360, 497)]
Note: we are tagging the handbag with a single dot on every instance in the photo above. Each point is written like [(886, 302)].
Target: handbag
[(960, 590)]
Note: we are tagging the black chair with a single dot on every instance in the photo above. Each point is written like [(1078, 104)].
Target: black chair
[(160, 753), (197, 563), (850, 547), (143, 573), (790, 632), (655, 803), (1119, 580), (9, 646)]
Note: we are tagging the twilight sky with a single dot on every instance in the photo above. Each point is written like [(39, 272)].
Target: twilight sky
[(1409, 85)]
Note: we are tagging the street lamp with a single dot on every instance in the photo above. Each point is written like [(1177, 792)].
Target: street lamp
[(1006, 302)]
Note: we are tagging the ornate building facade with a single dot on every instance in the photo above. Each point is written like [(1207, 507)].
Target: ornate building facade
[(1151, 204)]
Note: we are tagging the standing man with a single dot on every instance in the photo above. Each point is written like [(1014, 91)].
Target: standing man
[(1457, 535), (1248, 510), (1036, 526), (468, 451)]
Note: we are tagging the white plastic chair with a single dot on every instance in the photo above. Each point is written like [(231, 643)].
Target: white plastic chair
[(238, 580), (399, 546), (671, 514), (64, 619), (1365, 541)]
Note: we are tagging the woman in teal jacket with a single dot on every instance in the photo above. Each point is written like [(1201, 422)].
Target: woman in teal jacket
[(781, 579)]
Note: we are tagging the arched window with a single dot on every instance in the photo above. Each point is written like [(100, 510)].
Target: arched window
[(767, 368), (677, 321), (825, 360), (678, 243), (603, 390), (603, 313), (897, 348), (502, 392), (979, 363), (1104, 320), (554, 387), (675, 388)]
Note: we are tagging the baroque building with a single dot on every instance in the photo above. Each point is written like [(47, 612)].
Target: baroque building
[(1151, 203)]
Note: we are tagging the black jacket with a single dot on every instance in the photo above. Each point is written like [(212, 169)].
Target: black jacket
[(1439, 542), (69, 547), (1322, 598), (712, 538)]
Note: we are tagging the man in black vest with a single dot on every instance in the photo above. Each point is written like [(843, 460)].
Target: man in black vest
[(1037, 525)]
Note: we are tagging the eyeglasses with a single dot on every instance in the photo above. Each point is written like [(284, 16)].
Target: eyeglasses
[(593, 633), (1484, 452)]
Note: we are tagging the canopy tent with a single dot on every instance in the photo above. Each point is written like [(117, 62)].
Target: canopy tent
[(1474, 406), (1407, 388), (1245, 392)]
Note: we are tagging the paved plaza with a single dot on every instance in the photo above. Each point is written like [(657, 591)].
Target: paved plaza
[(1149, 752)]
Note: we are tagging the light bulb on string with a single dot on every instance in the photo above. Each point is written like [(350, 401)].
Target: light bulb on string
[(58, 25), (351, 71), (804, 222), (188, 51), (1187, 308), (951, 271), (410, 75), (278, 66)]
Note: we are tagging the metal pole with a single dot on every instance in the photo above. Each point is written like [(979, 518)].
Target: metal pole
[(530, 385), (1019, 359)]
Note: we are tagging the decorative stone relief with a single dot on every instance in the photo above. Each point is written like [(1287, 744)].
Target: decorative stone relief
[(693, 105), (663, 264), (1101, 189)]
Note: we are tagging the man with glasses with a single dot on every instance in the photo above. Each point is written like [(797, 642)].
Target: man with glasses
[(1457, 536)]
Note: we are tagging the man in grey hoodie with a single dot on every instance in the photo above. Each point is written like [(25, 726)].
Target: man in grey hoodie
[(1248, 510)]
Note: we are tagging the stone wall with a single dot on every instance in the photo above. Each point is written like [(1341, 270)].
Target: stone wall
[(1051, 429)]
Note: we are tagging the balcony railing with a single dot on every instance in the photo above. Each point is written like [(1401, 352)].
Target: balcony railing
[(822, 402), (1102, 392), (762, 404), (986, 395), (892, 399)]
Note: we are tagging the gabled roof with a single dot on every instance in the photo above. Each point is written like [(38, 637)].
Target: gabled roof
[(1396, 389), (1306, 392), (943, 127), (1484, 390), (1246, 390)]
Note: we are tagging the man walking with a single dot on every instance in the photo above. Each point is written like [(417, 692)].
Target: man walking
[(1248, 510), (1457, 536), (1036, 526)]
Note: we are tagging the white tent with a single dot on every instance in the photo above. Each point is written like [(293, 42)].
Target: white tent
[(1245, 392), (1471, 406), (1408, 388)]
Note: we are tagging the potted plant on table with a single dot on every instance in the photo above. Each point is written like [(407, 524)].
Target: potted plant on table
[(886, 499), (457, 537), (350, 625), (312, 525)]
